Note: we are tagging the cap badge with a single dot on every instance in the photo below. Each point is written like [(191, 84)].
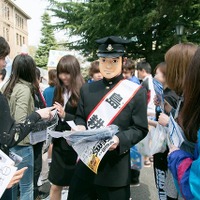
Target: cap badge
[(109, 48)]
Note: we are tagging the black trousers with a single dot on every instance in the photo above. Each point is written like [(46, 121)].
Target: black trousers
[(83, 190), (135, 174), (37, 149), (160, 170)]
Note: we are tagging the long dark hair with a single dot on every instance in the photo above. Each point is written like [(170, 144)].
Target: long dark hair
[(70, 65), (23, 67), (189, 117)]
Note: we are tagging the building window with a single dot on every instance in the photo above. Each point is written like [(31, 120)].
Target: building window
[(20, 40), (19, 21), (23, 40), (6, 33), (17, 39), (6, 12), (22, 23)]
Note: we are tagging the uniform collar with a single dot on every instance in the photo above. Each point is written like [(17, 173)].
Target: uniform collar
[(112, 81)]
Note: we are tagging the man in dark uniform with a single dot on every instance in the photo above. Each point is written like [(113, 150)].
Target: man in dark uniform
[(112, 181)]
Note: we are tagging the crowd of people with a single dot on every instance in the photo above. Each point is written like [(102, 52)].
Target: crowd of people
[(133, 107)]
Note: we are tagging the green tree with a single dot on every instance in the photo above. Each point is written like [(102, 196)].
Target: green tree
[(47, 42), (150, 25)]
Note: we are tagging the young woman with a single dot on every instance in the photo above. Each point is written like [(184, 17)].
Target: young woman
[(20, 94), (66, 97), (185, 166), (177, 59), (39, 102), (160, 159), (10, 132)]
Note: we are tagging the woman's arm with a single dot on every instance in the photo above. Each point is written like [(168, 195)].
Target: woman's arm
[(12, 133), (179, 163)]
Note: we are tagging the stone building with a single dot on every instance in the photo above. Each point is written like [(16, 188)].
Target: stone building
[(13, 26)]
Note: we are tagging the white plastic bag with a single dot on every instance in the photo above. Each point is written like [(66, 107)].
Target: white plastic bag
[(158, 139), (144, 146)]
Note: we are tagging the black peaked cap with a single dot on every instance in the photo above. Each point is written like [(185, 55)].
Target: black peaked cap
[(112, 40), (111, 46)]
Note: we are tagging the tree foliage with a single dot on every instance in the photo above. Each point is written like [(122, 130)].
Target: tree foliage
[(150, 25), (47, 42)]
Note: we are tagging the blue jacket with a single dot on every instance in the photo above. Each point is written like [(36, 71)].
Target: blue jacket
[(48, 95), (185, 169), (134, 79)]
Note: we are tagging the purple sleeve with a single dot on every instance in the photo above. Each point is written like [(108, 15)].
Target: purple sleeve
[(179, 163)]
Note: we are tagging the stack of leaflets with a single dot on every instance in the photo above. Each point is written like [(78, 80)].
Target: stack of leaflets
[(7, 170)]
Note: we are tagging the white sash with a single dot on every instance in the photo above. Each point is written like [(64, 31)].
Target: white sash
[(112, 104)]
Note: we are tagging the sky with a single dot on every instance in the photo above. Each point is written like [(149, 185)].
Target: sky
[(35, 9)]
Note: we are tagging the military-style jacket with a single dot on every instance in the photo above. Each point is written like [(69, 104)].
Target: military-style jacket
[(114, 169)]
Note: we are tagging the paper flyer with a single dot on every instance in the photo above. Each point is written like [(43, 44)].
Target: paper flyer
[(159, 92), (175, 133), (90, 145), (39, 133), (7, 170)]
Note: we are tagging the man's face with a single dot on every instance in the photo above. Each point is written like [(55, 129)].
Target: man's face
[(2, 63), (110, 67), (141, 74), (97, 76), (127, 74)]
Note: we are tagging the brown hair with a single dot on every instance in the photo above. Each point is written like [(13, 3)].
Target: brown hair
[(129, 65), (162, 67), (177, 59), (70, 65), (94, 68), (189, 118), (52, 74)]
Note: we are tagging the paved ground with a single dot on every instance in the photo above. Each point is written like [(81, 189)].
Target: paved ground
[(146, 190)]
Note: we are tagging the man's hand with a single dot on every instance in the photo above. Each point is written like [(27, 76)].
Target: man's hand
[(116, 143), (17, 176)]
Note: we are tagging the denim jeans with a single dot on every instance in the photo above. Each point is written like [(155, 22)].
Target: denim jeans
[(26, 183)]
